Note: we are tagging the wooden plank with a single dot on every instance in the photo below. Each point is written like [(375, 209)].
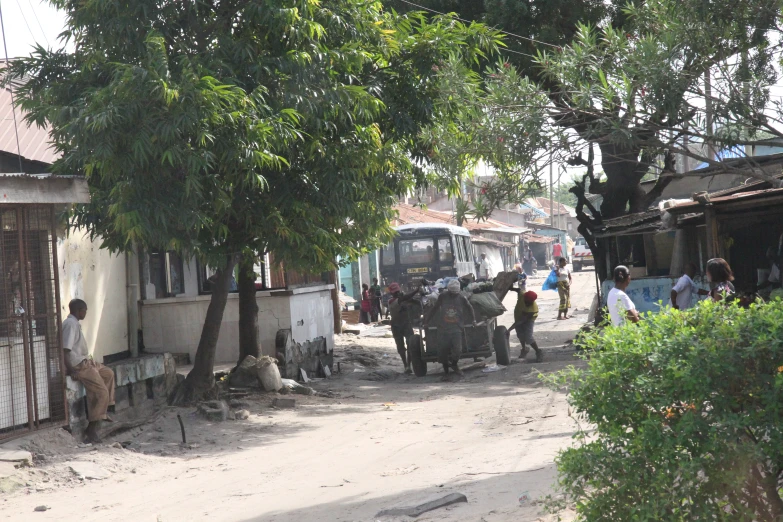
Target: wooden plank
[(415, 511), (713, 246)]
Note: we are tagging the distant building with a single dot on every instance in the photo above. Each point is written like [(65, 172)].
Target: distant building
[(543, 209)]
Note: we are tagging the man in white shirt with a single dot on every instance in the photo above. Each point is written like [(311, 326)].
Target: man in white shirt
[(484, 268), (621, 308), (773, 279), (97, 379), (682, 292)]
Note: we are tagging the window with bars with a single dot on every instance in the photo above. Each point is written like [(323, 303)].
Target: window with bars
[(166, 274), (271, 274)]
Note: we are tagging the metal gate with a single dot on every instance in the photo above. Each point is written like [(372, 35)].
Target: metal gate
[(32, 380)]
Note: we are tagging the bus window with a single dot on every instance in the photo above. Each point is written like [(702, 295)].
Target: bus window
[(444, 248), (466, 246), (387, 255), (458, 249), (416, 251)]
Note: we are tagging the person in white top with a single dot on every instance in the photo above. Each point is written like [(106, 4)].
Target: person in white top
[(97, 379), (484, 268), (773, 279), (563, 288), (621, 308), (682, 292)]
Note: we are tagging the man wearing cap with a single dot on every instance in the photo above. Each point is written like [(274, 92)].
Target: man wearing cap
[(452, 309), (525, 315), (401, 327)]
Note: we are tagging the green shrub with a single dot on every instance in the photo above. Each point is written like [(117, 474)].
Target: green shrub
[(683, 417)]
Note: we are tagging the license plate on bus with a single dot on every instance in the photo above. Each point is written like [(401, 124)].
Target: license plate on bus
[(418, 270)]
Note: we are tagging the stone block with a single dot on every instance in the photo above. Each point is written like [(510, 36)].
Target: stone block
[(139, 393), (216, 411), (283, 403), (121, 398)]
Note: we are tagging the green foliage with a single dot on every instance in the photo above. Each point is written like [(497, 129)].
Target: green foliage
[(475, 125), (224, 126), (530, 22), (687, 418)]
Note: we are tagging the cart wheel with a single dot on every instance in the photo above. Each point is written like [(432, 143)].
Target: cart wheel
[(414, 351), (500, 341)]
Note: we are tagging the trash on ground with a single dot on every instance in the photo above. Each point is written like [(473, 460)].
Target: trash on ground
[(381, 375), (415, 511), (399, 471), (494, 368)]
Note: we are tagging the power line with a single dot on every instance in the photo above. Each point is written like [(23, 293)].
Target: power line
[(498, 30), (25, 19), (11, 89), (39, 23)]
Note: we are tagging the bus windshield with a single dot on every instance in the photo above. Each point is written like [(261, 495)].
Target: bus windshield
[(417, 251)]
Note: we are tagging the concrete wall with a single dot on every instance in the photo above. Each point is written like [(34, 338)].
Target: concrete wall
[(649, 292), (311, 316), (93, 274), (174, 324)]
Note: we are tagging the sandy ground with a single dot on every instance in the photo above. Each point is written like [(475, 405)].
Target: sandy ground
[(383, 440)]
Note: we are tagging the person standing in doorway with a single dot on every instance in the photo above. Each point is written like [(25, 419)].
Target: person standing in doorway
[(621, 308), (375, 300), (452, 310), (484, 268), (366, 305), (401, 327), (773, 280), (97, 379), (527, 261), (682, 292), (563, 289)]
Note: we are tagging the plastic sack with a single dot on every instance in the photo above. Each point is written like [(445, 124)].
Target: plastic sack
[(269, 374), (487, 305), (551, 281)]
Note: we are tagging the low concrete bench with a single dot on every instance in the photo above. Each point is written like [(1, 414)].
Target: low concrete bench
[(142, 385)]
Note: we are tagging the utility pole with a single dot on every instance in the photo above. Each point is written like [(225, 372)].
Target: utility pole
[(559, 210), (708, 109), (551, 187)]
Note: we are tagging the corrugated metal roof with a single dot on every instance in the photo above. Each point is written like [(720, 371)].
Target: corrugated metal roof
[(731, 198), (544, 204), (33, 140), (535, 238), (478, 240), (408, 214)]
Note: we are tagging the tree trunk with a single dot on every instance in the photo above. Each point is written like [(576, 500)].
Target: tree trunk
[(249, 343), (201, 379), (334, 278)]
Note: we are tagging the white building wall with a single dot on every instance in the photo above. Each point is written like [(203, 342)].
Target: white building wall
[(174, 324), (312, 316), (93, 274)]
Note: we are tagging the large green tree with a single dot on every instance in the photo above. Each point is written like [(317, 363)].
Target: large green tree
[(233, 128), (630, 86)]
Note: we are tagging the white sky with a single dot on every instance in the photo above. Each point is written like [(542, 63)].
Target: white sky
[(30, 22)]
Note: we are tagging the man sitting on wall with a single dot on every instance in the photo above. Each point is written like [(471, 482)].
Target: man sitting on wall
[(98, 380)]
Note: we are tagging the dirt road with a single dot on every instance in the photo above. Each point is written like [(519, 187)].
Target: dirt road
[(383, 440)]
